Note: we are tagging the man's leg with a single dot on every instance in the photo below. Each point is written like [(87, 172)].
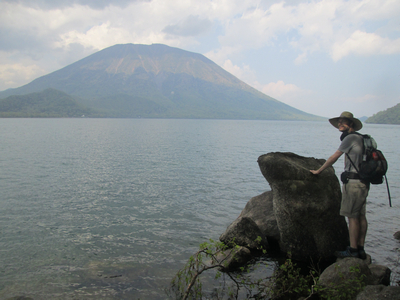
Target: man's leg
[(354, 195), (361, 237), (354, 232), (363, 230)]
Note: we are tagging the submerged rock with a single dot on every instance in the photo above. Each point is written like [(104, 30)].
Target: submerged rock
[(244, 232), (233, 258)]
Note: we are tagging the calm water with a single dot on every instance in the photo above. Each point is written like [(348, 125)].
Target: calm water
[(112, 208)]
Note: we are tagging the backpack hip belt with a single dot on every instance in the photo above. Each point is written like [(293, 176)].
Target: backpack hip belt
[(353, 175)]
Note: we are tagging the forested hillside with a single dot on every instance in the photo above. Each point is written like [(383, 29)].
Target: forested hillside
[(389, 116), (46, 104)]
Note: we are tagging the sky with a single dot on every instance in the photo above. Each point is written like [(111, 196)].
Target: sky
[(322, 57)]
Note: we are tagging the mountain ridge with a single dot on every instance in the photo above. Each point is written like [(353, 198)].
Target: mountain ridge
[(175, 84)]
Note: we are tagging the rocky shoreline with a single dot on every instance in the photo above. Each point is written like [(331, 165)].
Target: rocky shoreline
[(300, 216)]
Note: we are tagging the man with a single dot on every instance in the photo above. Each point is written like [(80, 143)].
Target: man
[(354, 191)]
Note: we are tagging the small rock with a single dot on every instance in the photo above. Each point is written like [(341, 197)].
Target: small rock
[(381, 274), (374, 292), (233, 258), (244, 232)]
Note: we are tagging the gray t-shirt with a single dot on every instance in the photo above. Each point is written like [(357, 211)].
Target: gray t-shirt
[(352, 144)]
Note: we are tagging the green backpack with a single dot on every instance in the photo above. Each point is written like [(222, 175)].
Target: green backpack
[(374, 166)]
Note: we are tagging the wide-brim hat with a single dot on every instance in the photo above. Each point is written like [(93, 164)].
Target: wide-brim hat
[(348, 115)]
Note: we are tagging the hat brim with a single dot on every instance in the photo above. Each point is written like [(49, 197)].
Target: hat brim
[(357, 123)]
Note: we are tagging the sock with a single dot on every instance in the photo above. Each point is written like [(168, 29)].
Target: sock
[(352, 250), (360, 248)]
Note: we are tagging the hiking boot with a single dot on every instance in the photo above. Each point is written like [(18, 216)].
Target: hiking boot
[(346, 253), (361, 253)]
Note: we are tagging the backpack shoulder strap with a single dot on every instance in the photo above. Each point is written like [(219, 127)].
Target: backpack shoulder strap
[(348, 156)]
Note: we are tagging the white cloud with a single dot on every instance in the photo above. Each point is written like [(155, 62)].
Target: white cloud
[(18, 73), (38, 39), (307, 26), (311, 26), (288, 93), (191, 26), (220, 55), (243, 73), (362, 43), (97, 37), (285, 92), (280, 90), (257, 27)]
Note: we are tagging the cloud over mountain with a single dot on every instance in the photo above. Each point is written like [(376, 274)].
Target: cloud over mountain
[(264, 42)]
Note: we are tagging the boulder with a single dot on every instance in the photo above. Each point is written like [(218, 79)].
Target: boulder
[(397, 235), (233, 258), (244, 232), (343, 270), (260, 210), (373, 292), (381, 274), (306, 206)]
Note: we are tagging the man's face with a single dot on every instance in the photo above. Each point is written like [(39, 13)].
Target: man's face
[(343, 124)]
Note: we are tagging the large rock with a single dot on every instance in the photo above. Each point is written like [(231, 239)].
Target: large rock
[(375, 277), (342, 272), (306, 206), (260, 210), (352, 268)]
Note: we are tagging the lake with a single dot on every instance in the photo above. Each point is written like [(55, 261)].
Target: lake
[(113, 208)]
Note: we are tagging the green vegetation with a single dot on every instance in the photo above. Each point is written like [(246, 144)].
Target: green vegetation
[(47, 104), (288, 281), (389, 116)]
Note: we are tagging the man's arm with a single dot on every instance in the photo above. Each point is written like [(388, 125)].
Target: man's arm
[(329, 162)]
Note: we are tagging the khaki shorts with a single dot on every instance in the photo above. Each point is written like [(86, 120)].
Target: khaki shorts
[(354, 198)]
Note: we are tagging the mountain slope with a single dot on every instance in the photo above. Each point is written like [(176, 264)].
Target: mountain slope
[(160, 81), (389, 116), (49, 103)]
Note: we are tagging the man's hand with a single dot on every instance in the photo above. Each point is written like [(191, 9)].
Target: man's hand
[(329, 162)]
